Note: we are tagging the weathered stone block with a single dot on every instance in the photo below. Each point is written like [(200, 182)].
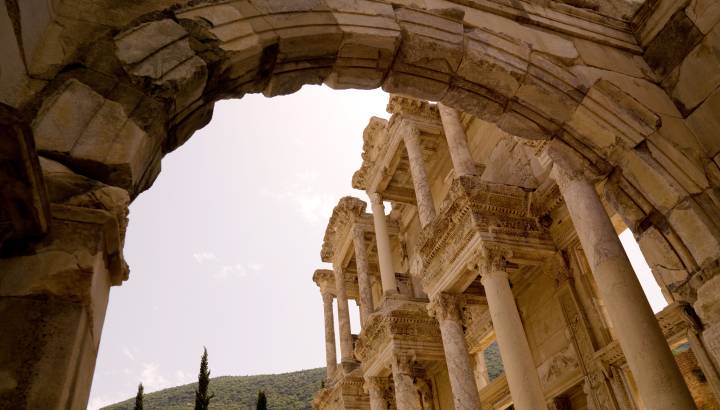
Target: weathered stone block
[(160, 52), (430, 53), (370, 40), (707, 305), (82, 128), (696, 230), (698, 75), (650, 178), (704, 122), (662, 259), (607, 115), (704, 13), (672, 44)]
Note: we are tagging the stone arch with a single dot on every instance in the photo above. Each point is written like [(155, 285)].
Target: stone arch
[(156, 79)]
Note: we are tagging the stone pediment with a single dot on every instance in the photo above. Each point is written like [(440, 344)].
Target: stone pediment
[(345, 213)]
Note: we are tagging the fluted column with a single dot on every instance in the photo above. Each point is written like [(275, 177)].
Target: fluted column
[(445, 308), (346, 347), (423, 196), (406, 394), (363, 273), (517, 359), (375, 387), (382, 239), (457, 141), (330, 354), (659, 381)]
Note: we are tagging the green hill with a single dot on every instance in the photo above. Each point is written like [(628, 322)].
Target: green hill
[(287, 391)]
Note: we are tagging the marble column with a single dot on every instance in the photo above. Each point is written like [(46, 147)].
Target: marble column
[(375, 387), (346, 344), (382, 239), (517, 358), (445, 308), (363, 273), (457, 142), (423, 196), (406, 394), (659, 381), (330, 354)]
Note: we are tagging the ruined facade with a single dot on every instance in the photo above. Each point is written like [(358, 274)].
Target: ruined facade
[(485, 243), (557, 124)]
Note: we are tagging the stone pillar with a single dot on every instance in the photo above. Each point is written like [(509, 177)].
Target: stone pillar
[(346, 344), (659, 381), (517, 359), (53, 300), (457, 142), (330, 354), (446, 310), (387, 270), (406, 394), (482, 378), (423, 196), (363, 273), (375, 387)]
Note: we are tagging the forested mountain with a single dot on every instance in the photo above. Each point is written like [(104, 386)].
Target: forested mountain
[(287, 391)]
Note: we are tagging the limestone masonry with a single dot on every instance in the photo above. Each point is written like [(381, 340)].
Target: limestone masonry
[(525, 136)]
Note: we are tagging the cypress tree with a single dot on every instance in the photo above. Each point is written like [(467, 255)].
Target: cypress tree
[(139, 398), (261, 401), (202, 398)]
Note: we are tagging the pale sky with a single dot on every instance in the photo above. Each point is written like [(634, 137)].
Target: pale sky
[(223, 246)]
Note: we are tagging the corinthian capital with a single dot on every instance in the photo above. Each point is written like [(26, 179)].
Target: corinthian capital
[(446, 306), (495, 260)]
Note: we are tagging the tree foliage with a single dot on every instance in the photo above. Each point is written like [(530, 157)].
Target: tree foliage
[(202, 396), (139, 398), (261, 401)]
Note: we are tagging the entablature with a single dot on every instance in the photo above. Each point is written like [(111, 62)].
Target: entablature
[(401, 327), (475, 217)]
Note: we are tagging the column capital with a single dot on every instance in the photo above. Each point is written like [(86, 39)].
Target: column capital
[(375, 198), (446, 306), (494, 261), (567, 163), (327, 296)]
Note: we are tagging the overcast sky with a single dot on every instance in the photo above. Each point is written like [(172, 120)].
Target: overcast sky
[(223, 246)]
